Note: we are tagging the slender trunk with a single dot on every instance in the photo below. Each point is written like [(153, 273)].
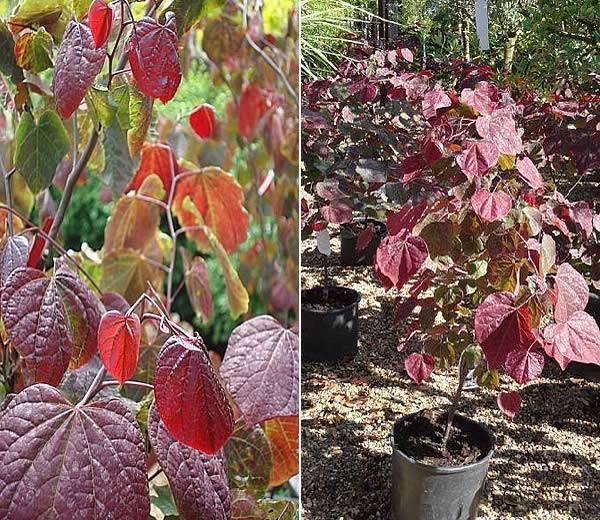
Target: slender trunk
[(462, 375), (467, 40), (509, 52)]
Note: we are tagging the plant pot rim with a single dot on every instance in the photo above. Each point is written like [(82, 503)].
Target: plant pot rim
[(337, 309), (446, 470)]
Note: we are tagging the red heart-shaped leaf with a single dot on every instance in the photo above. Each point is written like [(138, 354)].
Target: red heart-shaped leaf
[(253, 106), (153, 55), (530, 173), (189, 396), (576, 339), (477, 158), (491, 206), (203, 121), (119, 344), (77, 64), (398, 258), (433, 100), (499, 128), (260, 368), (509, 403), (419, 366), (100, 19), (572, 292), (524, 365), (155, 158), (364, 237)]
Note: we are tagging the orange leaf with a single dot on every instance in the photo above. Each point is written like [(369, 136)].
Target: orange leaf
[(155, 158), (219, 199), (283, 435), (119, 344)]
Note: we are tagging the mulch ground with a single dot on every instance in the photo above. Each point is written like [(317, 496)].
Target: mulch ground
[(547, 461)]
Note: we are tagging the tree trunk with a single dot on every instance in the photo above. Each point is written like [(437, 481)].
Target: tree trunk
[(509, 52)]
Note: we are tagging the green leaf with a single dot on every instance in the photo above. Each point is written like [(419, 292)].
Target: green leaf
[(118, 165), (190, 12), (8, 62), (39, 148), (140, 116), (51, 14), (278, 509), (163, 501), (33, 51)]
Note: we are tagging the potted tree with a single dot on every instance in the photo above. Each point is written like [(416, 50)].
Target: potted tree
[(490, 245)]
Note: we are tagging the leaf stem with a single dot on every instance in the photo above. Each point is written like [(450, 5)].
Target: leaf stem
[(134, 384), (7, 190), (94, 387)]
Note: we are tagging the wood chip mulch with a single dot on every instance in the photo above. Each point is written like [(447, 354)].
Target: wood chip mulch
[(547, 461)]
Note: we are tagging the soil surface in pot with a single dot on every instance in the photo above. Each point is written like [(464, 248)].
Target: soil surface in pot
[(326, 299), (422, 439)]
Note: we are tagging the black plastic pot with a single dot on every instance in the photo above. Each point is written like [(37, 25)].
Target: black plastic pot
[(587, 370), (349, 236), (329, 334), (425, 492)]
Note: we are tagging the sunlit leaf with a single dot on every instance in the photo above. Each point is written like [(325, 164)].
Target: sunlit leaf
[(119, 344), (283, 434)]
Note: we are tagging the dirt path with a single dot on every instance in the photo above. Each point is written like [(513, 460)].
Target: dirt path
[(547, 463)]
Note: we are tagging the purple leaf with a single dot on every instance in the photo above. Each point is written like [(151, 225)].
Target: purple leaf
[(198, 481), (115, 302), (406, 218), (260, 368), (14, 253), (419, 366), (77, 64), (484, 98), (477, 158), (572, 292), (337, 212), (189, 396), (530, 173), (499, 128), (433, 100), (577, 339), (36, 322), (491, 206), (61, 461), (364, 238), (524, 365), (509, 403), (398, 258)]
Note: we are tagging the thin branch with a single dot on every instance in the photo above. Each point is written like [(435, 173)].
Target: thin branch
[(94, 387), (134, 384), (7, 192)]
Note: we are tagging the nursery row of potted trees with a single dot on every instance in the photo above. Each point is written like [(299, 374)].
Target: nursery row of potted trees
[(493, 260)]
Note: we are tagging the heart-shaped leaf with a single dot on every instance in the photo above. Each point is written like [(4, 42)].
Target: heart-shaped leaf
[(203, 121), (509, 403), (365, 237), (406, 218), (197, 284), (572, 292), (499, 129), (501, 327), (57, 459), (419, 366), (33, 50), (154, 58), (483, 98), (100, 19), (524, 365), (198, 481), (119, 344), (39, 148), (189, 396), (219, 199), (260, 368), (337, 212), (491, 206), (530, 173), (283, 434), (253, 106), (477, 158), (14, 253), (155, 159), (140, 118), (36, 322), (76, 66), (398, 258), (249, 462), (433, 100), (576, 339)]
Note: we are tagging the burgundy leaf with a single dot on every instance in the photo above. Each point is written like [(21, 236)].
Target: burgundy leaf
[(119, 344), (203, 121), (398, 258), (14, 253), (524, 365), (75, 462), (153, 55), (260, 368), (364, 237), (189, 396), (433, 100), (491, 206), (572, 292), (509, 403), (253, 106), (500, 327), (499, 128), (477, 158), (530, 173), (419, 366), (412, 167), (36, 322), (100, 19), (114, 302), (582, 216), (337, 212), (39, 243), (369, 93), (82, 308), (406, 218), (198, 481), (577, 339), (77, 64), (484, 98)]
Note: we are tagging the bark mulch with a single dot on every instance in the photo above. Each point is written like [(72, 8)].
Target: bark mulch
[(547, 461)]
